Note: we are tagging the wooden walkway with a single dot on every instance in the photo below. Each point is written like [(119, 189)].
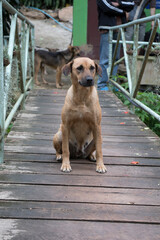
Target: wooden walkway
[(39, 202)]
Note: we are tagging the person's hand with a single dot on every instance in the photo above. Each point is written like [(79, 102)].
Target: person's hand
[(116, 4), (127, 16), (152, 24)]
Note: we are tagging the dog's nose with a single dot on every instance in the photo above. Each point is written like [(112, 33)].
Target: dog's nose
[(89, 79)]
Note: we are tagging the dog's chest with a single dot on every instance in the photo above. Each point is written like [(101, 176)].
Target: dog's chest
[(81, 123), (81, 113), (80, 134)]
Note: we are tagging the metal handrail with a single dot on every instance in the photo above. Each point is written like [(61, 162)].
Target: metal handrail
[(133, 80), (21, 35), (137, 21), (12, 10)]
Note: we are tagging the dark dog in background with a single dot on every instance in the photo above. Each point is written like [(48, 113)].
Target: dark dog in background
[(54, 59), (42, 66)]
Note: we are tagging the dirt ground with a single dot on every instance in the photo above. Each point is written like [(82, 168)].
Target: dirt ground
[(50, 34)]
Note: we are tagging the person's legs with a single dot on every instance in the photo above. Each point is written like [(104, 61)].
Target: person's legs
[(104, 57), (104, 60), (142, 28)]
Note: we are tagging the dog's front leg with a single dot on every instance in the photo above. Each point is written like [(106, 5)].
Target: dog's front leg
[(36, 76), (99, 157), (66, 167), (58, 78), (42, 74)]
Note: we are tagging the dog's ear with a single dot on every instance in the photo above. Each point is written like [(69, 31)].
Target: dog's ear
[(98, 70), (70, 47), (67, 69)]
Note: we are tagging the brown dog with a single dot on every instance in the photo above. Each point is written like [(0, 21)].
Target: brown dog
[(79, 134), (54, 59)]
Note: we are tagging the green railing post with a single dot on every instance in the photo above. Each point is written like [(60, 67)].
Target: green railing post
[(32, 53), (113, 63), (1, 89), (126, 59), (9, 67), (151, 40), (21, 61), (134, 76)]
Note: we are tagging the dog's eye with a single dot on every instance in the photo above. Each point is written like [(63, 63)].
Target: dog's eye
[(80, 68), (92, 68)]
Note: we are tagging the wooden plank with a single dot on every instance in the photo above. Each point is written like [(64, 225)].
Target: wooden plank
[(142, 148), (107, 130), (118, 120), (47, 136), (52, 103), (78, 180), (41, 120), (111, 150), (81, 169), (62, 92), (110, 160), (38, 201), (71, 230), (110, 112), (88, 212), (80, 194), (59, 101)]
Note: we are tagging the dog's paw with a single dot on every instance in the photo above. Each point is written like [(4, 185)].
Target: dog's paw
[(59, 157), (45, 82), (38, 83), (101, 168), (92, 157), (66, 167), (58, 86)]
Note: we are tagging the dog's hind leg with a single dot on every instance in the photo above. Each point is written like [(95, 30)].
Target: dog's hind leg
[(58, 78), (89, 151), (37, 66), (57, 143), (42, 73)]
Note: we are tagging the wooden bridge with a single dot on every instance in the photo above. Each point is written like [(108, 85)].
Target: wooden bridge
[(38, 201)]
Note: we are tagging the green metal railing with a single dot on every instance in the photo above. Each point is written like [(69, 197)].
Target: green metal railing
[(134, 78), (20, 48)]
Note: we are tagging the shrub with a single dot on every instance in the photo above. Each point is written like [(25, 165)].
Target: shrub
[(52, 4), (152, 101)]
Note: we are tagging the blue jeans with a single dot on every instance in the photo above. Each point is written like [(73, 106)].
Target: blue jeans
[(104, 59)]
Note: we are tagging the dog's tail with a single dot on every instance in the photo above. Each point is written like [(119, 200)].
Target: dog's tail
[(71, 39)]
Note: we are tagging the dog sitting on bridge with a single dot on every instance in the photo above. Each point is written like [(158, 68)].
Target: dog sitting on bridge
[(54, 59), (79, 134)]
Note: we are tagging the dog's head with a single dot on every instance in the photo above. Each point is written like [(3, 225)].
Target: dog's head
[(83, 71), (75, 50)]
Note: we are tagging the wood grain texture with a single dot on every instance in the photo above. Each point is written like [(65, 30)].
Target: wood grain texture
[(39, 202)]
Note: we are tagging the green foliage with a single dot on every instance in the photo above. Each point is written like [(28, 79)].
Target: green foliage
[(9, 128), (5, 53), (6, 16), (47, 4), (152, 101)]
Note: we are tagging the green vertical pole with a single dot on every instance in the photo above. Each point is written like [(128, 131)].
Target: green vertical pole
[(32, 54), (1, 89), (8, 69), (80, 13)]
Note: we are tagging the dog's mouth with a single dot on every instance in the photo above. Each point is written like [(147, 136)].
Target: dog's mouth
[(87, 82)]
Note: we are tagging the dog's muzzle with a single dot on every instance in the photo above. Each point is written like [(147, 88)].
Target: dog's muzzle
[(87, 81)]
